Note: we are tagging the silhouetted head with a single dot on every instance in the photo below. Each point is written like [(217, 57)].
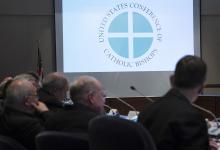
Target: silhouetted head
[(190, 72), (56, 85), (189, 76)]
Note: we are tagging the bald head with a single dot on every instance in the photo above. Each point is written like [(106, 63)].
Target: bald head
[(89, 91), (30, 76), (81, 86)]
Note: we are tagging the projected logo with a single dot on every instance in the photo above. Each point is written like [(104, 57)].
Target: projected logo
[(130, 38), (130, 34)]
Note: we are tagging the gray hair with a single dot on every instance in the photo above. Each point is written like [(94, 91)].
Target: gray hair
[(54, 82), (18, 91), (81, 87), (25, 76)]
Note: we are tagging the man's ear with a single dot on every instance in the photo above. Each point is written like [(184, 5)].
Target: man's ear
[(90, 97), (27, 101), (200, 90), (172, 79)]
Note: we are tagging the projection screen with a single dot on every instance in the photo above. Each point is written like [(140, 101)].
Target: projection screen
[(126, 42)]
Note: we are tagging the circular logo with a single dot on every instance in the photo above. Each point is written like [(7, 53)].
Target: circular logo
[(130, 35)]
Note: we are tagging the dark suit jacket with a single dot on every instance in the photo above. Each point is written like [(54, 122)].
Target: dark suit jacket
[(175, 124), (75, 119), (21, 125)]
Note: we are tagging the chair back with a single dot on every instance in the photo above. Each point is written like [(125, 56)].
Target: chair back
[(113, 133), (8, 143), (53, 140)]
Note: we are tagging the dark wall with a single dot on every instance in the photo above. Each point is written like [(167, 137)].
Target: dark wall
[(23, 22), (210, 41)]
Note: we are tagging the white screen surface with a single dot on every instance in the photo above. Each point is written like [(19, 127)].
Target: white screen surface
[(136, 42)]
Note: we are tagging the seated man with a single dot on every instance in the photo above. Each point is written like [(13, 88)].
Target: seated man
[(19, 119), (89, 98), (174, 123), (54, 90)]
